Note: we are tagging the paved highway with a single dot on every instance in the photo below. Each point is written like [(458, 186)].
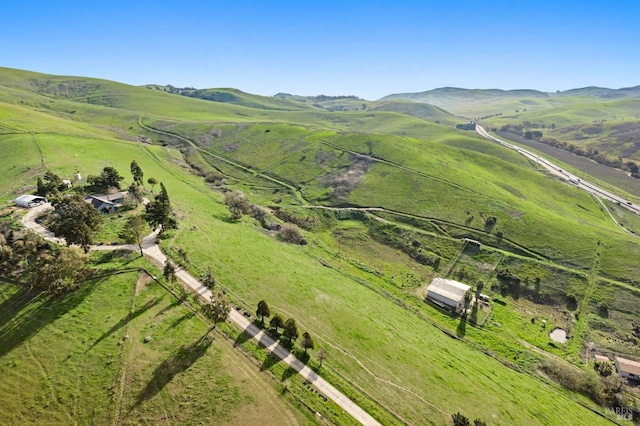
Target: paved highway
[(569, 177)]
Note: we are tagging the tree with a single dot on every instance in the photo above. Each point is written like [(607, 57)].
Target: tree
[(159, 212), (76, 221), (62, 272), (322, 355), (218, 308), (263, 310), (41, 189), (290, 329), (135, 192), (478, 422), (307, 342), (460, 420), (136, 171), (134, 230), (108, 178), (236, 203), (111, 178), (207, 278), (276, 322), (51, 184), (153, 182), (169, 271)]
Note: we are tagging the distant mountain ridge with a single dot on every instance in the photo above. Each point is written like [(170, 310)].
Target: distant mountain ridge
[(485, 103), (591, 91)]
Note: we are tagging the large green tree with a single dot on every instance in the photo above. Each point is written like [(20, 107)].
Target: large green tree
[(108, 178), (276, 322), (290, 330), (61, 271), (76, 221), (160, 213), (137, 173), (263, 310)]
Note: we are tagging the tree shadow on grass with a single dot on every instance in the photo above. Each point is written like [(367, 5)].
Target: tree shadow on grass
[(183, 318), (126, 319), (177, 363), (23, 315), (169, 307), (462, 326), (474, 314), (242, 338), (124, 257), (289, 372), (270, 360)]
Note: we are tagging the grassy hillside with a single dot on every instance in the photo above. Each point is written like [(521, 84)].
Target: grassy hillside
[(358, 285), (83, 360)]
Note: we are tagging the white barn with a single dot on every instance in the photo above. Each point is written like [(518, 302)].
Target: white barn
[(28, 201), (447, 293)]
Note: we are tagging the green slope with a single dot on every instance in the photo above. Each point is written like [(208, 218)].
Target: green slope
[(386, 348)]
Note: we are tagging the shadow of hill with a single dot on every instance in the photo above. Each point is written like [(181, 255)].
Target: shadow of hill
[(125, 320), (22, 316), (177, 363)]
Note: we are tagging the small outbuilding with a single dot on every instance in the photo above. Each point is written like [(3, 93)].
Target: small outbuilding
[(448, 293), (601, 358), (627, 368), (27, 201)]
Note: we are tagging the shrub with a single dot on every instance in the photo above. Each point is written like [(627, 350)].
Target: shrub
[(291, 234), (603, 368)]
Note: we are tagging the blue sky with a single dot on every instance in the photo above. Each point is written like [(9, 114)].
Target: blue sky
[(363, 48)]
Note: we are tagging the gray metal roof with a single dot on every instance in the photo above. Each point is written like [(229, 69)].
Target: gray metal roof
[(452, 290), (24, 200)]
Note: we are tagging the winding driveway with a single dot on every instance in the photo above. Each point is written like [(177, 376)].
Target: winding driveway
[(152, 250)]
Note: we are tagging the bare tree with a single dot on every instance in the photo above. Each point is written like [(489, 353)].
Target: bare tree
[(322, 355)]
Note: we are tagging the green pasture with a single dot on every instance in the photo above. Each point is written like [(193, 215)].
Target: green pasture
[(83, 360)]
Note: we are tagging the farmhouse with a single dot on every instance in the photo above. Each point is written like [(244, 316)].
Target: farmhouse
[(107, 203), (28, 201), (627, 368), (447, 293)]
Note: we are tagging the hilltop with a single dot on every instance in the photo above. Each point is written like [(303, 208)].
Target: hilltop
[(487, 102)]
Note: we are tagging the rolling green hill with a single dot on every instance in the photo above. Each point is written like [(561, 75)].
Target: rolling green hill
[(489, 102), (385, 197)]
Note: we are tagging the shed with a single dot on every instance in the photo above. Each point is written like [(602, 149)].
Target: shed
[(601, 358), (28, 201), (448, 293), (627, 368)]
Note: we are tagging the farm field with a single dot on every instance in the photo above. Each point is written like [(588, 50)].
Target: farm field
[(373, 243)]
